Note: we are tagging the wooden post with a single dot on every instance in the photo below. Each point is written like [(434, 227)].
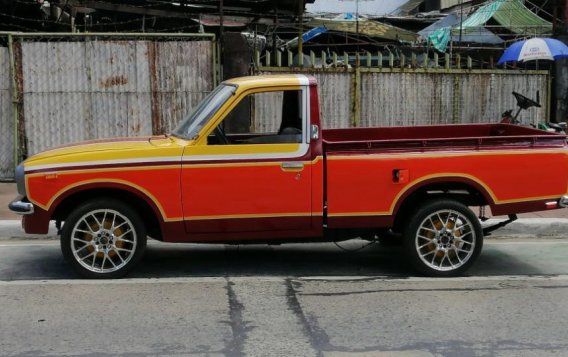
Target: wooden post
[(278, 58), (356, 103)]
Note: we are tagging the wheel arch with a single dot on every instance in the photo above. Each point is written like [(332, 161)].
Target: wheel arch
[(139, 201), (461, 189)]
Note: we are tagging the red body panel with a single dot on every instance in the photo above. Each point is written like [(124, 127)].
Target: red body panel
[(502, 177)]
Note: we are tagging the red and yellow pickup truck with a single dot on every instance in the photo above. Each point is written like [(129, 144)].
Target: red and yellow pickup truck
[(251, 164)]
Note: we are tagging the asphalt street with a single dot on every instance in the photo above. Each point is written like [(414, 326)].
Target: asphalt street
[(290, 300)]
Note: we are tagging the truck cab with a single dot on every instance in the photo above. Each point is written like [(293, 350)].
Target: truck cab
[(256, 164)]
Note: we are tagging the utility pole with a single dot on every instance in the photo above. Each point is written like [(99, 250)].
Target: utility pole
[(221, 38), (461, 23), (300, 32), (560, 79)]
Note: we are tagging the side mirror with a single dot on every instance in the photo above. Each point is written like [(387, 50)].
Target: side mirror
[(314, 135)]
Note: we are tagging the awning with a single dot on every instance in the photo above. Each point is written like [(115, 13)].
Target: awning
[(511, 14), (477, 34)]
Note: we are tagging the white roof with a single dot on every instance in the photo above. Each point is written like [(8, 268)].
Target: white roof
[(366, 7)]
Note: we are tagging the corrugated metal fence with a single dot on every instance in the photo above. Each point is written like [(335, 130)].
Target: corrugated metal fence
[(60, 88), (423, 94), (78, 87), (6, 118)]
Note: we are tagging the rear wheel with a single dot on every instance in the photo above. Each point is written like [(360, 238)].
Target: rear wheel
[(103, 238), (444, 238)]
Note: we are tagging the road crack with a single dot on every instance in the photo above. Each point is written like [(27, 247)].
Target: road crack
[(317, 337), (238, 327)]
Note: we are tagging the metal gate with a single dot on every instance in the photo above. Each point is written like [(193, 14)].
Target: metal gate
[(61, 88)]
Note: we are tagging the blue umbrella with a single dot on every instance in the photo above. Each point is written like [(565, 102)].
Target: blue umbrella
[(534, 49)]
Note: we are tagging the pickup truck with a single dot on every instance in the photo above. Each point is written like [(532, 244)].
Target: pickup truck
[(252, 164)]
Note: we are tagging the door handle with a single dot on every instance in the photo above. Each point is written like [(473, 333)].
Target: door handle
[(293, 165)]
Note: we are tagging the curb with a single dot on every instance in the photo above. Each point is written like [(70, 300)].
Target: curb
[(521, 228), (12, 230), (531, 227)]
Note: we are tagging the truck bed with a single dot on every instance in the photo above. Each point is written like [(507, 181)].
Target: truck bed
[(515, 169), (440, 137)]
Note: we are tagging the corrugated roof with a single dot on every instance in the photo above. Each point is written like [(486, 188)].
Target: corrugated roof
[(407, 7), (368, 28)]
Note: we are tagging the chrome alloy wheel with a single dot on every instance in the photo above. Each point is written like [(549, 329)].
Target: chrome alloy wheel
[(445, 240), (103, 241)]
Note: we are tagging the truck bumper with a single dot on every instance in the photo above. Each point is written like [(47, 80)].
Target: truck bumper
[(21, 206), (35, 220), (563, 201)]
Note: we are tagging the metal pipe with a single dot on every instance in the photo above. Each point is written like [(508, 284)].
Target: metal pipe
[(15, 96), (300, 33), (106, 34)]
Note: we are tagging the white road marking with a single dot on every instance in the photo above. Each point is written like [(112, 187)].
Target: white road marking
[(535, 241), (237, 279)]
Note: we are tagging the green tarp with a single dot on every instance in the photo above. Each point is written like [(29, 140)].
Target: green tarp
[(511, 14)]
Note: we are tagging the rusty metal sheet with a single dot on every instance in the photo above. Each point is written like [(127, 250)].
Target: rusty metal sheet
[(98, 89), (394, 99), (335, 93), (53, 119), (55, 93), (6, 119), (184, 76), (120, 100), (400, 99), (267, 112), (484, 97)]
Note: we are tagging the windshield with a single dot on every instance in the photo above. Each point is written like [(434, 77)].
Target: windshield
[(190, 126)]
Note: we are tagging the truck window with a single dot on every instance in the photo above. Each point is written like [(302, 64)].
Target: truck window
[(192, 124), (263, 118)]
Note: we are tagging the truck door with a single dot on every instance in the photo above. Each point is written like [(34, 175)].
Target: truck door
[(252, 171)]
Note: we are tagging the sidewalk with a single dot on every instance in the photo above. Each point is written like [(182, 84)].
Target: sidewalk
[(8, 192), (553, 223)]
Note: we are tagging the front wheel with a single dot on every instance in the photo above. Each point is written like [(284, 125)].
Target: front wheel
[(443, 238), (103, 238)]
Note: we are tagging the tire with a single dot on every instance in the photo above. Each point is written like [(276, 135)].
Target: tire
[(443, 238), (103, 239)]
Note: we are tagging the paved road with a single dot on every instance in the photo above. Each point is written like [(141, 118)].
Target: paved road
[(294, 300)]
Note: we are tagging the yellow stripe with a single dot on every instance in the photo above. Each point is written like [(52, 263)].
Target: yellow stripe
[(249, 164), (449, 175), (358, 214), (123, 182), (333, 157), (71, 171)]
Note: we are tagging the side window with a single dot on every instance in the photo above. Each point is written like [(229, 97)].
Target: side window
[(263, 118)]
